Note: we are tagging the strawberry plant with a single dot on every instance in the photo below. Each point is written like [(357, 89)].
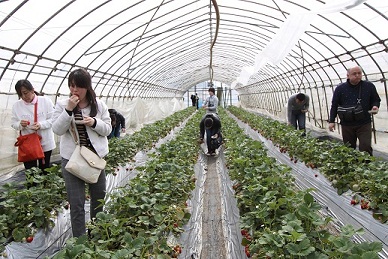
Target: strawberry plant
[(345, 167), (25, 210), (284, 222), (122, 150), (141, 216)]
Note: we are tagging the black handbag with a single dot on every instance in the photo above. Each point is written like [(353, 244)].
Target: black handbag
[(351, 112)]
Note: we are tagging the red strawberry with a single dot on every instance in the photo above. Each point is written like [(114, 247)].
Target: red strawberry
[(247, 253)]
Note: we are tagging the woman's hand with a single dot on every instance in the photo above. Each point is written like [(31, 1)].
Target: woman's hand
[(73, 102), (35, 126), (88, 121)]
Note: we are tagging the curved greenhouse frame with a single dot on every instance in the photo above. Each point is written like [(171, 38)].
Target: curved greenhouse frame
[(148, 57)]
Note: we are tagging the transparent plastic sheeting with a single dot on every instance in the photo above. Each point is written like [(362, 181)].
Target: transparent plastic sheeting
[(191, 239), (47, 243), (288, 36), (337, 206)]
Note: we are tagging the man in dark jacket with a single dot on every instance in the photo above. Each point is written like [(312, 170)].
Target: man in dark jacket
[(193, 99), (355, 91), (119, 124), (211, 124)]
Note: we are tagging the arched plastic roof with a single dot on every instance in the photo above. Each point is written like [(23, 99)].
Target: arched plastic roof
[(163, 48)]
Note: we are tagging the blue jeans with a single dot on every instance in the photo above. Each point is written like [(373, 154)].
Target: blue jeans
[(117, 131), (298, 119)]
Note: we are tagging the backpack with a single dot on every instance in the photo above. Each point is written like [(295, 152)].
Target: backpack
[(216, 143)]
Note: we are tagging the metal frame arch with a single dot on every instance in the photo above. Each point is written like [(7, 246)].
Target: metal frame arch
[(147, 68), (18, 50), (144, 66), (168, 37), (156, 71), (112, 45), (250, 32), (61, 34), (163, 56)]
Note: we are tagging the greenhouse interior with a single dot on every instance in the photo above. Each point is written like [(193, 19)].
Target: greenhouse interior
[(213, 129)]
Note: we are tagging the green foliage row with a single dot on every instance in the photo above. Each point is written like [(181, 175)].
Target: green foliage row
[(282, 222), (30, 206), (141, 217), (345, 167), (122, 150), (36, 202)]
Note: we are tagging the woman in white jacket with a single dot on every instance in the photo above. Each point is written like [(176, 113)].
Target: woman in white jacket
[(92, 122), (23, 120)]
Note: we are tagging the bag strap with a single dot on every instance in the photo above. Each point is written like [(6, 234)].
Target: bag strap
[(359, 94), (74, 131), (36, 111)]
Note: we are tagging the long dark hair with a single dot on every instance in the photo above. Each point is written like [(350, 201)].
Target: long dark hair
[(26, 84), (82, 79)]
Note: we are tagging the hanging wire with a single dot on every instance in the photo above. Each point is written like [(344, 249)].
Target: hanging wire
[(215, 38)]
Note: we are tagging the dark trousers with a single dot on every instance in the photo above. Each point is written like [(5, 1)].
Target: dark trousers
[(209, 134), (363, 133), (298, 119), (42, 165), (75, 189)]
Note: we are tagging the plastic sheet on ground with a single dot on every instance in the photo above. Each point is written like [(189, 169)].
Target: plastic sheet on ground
[(192, 239), (336, 206)]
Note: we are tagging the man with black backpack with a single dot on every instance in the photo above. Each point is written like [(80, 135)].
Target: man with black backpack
[(211, 124)]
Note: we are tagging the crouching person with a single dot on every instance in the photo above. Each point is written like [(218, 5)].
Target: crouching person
[(211, 124)]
